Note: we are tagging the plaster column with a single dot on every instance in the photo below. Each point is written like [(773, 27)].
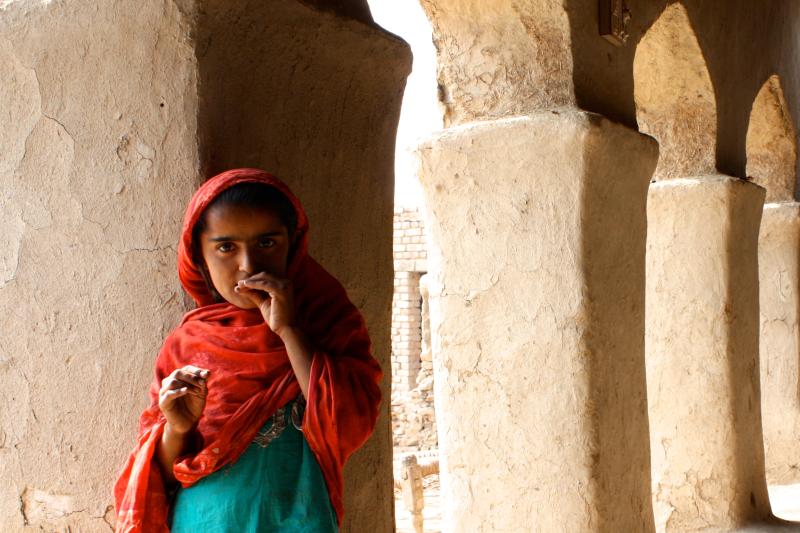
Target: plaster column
[(537, 317), (779, 275), (702, 353)]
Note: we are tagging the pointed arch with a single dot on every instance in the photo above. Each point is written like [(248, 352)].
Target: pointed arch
[(674, 96), (772, 143)]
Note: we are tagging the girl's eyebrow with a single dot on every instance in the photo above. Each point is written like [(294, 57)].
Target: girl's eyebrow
[(230, 238)]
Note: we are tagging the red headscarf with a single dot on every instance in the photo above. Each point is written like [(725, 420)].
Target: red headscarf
[(250, 374)]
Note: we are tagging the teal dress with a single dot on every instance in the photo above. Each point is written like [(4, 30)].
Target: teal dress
[(275, 486)]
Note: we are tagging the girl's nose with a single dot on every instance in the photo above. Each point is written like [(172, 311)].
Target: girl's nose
[(247, 262)]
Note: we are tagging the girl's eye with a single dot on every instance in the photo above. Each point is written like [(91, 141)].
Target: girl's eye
[(225, 247), (266, 243)]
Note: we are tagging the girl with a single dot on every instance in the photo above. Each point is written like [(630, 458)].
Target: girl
[(263, 391)]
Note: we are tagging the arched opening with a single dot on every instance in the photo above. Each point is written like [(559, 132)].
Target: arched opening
[(674, 96), (772, 144)]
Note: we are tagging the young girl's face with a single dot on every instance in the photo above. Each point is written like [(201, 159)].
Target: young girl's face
[(239, 242)]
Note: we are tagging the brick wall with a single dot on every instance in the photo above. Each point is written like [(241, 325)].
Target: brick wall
[(413, 420)]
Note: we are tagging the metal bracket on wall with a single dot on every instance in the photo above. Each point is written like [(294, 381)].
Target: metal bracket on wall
[(614, 19)]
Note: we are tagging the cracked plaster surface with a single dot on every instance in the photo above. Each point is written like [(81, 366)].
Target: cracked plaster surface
[(96, 164)]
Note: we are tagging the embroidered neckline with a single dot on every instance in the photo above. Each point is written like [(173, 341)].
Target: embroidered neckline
[(277, 422)]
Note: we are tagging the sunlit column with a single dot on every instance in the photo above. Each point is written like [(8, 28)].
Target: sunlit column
[(537, 319)]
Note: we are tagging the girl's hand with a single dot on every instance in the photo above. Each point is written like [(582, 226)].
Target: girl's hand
[(182, 398), (274, 298)]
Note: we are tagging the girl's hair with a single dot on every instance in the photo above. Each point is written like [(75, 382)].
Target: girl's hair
[(254, 196)]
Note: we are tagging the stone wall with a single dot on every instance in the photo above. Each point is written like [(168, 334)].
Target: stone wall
[(406, 330), (413, 419)]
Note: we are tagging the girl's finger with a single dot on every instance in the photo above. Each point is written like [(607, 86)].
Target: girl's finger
[(188, 374), (176, 383), (255, 296), (264, 285), (245, 290), (167, 383), (254, 286), (197, 394), (264, 276), (200, 390), (190, 377), (170, 395), (197, 371)]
